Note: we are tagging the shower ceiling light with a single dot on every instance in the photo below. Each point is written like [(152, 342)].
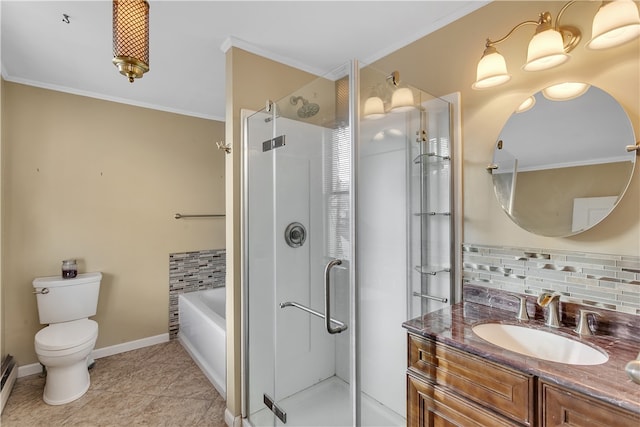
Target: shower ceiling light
[(131, 37), (615, 23)]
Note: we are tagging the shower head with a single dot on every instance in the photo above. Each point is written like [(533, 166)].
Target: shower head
[(308, 109)]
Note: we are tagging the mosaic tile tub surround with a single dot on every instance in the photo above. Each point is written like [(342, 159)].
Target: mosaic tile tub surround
[(600, 280), (190, 272)]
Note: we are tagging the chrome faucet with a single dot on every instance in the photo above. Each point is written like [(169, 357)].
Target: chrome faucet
[(582, 327), (552, 301), (522, 307)]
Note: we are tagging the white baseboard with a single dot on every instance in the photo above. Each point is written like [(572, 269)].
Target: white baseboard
[(230, 420), (26, 370), (36, 368), (128, 346)]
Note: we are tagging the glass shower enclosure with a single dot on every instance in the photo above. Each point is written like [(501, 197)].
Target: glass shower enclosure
[(328, 268)]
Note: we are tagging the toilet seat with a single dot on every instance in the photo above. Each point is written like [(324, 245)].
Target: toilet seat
[(65, 338)]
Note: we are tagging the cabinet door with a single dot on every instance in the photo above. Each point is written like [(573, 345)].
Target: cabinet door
[(434, 406), (560, 407), (504, 390)]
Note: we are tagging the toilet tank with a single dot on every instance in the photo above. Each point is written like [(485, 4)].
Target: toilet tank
[(67, 299)]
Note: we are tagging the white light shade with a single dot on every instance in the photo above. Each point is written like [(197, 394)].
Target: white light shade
[(402, 100), (615, 23), (491, 71), (373, 108), (546, 50), (565, 91), (527, 104)]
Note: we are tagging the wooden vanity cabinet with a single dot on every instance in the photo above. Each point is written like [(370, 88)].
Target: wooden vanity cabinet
[(561, 407), (463, 389), (450, 387), (432, 405)]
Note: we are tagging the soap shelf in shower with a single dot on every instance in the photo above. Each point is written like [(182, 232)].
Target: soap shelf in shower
[(426, 157), (433, 213), (431, 297)]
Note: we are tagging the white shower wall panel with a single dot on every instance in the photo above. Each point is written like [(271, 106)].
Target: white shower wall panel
[(305, 353), (382, 250)]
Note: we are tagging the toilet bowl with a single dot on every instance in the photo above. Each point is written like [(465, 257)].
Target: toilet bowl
[(64, 349)]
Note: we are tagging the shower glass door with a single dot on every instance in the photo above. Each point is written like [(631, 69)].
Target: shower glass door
[(298, 258)]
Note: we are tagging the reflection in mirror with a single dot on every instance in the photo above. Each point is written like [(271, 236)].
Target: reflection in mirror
[(560, 167)]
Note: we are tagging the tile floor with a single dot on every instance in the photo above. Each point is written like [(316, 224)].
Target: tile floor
[(154, 386)]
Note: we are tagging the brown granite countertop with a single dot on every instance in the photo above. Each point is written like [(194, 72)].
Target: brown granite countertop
[(608, 381)]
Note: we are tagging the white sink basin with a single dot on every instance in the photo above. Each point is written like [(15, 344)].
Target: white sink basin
[(540, 344)]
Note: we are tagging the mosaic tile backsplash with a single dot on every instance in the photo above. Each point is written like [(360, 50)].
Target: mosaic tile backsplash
[(193, 271), (600, 280)]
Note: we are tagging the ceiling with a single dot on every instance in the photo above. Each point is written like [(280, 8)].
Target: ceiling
[(187, 38)]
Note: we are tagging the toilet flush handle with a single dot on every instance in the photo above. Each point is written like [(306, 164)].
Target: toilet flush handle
[(42, 291)]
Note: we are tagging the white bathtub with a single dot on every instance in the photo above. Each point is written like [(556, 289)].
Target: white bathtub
[(203, 334)]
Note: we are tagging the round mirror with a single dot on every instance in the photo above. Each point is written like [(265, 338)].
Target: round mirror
[(560, 164)]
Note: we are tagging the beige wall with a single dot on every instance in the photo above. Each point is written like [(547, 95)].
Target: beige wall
[(100, 181), (251, 81), (2, 322), (445, 62), (542, 205)]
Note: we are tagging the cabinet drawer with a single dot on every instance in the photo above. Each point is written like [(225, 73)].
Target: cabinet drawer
[(431, 405), (506, 391), (560, 407)]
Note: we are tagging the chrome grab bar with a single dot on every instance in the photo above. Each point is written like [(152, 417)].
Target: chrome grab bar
[(327, 296), (341, 326)]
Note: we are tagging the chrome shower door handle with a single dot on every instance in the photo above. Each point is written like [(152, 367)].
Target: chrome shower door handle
[(327, 297)]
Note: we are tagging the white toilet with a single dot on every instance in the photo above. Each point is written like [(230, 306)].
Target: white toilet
[(64, 347)]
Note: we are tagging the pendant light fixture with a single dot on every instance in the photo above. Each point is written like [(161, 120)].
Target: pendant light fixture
[(131, 37), (616, 22)]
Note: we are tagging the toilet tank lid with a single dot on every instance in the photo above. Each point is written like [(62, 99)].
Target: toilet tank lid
[(54, 281)]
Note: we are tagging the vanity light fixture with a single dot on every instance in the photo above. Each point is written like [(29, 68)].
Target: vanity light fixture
[(131, 37), (373, 108), (615, 23), (546, 48), (401, 99), (565, 91), (526, 105)]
